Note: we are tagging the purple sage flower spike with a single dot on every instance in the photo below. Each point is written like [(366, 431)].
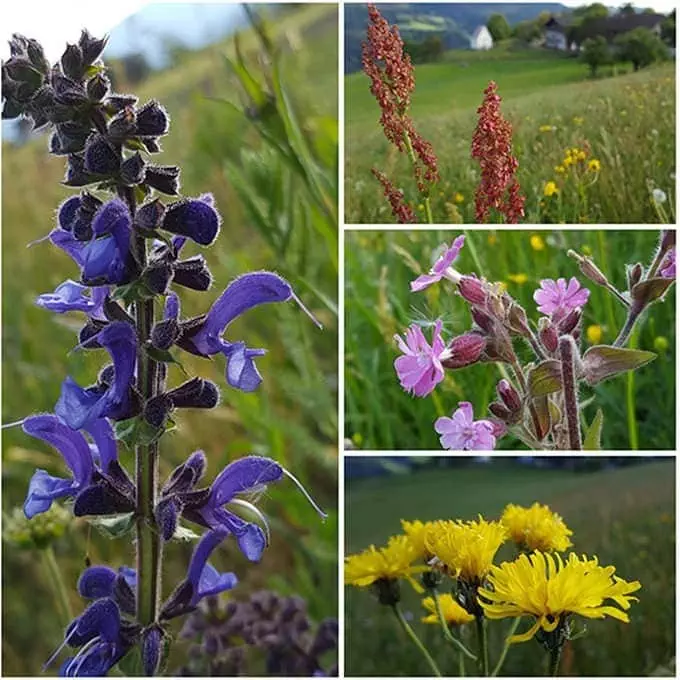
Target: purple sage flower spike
[(99, 581), (242, 294), (441, 267), (420, 368), (78, 406), (69, 296), (462, 433), (558, 298), (152, 642), (73, 447)]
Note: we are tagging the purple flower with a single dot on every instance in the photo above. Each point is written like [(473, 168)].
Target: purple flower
[(70, 297), (667, 268), (462, 433), (557, 298), (78, 406), (195, 218), (440, 267), (420, 369), (242, 294)]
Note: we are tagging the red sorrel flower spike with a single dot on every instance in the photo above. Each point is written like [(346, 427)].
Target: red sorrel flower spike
[(400, 209), (492, 147)]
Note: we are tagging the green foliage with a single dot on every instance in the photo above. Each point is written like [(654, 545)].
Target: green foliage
[(498, 27), (596, 53), (381, 416), (429, 50), (641, 47), (624, 516)]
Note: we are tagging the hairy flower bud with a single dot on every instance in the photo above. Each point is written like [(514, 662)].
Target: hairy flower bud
[(517, 320), (152, 120), (97, 87), (165, 333), (115, 103), (149, 216), (157, 410), (196, 219), (589, 268), (195, 393), (569, 322), (132, 170), (548, 334), (72, 62), (157, 278), (100, 157), (167, 513), (464, 350), (165, 178), (472, 290), (91, 47), (122, 125), (509, 395), (193, 273), (635, 273)]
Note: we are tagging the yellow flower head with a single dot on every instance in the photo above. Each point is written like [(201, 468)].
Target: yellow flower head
[(568, 160), (594, 334), (550, 189), (594, 165), (544, 586), (518, 278), (537, 242), (453, 613), (458, 197), (536, 528), (392, 562), (581, 155), (466, 549), (415, 532), (560, 169)]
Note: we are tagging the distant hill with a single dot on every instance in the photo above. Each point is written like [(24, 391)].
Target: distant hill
[(454, 22)]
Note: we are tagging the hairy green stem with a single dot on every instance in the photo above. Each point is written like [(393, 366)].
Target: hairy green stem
[(554, 662), (633, 315), (483, 656), (630, 406), (570, 391), (501, 659), (57, 582), (416, 640)]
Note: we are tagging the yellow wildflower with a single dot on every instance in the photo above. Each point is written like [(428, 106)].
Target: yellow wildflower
[(578, 120), (518, 278), (560, 169), (537, 242), (568, 160), (550, 189), (544, 586), (581, 156), (453, 613), (536, 528), (546, 128), (458, 197), (392, 562), (466, 549), (594, 334), (415, 532), (594, 165)]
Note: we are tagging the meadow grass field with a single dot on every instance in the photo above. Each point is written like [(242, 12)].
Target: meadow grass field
[(624, 516), (625, 121), (292, 418), (638, 407)]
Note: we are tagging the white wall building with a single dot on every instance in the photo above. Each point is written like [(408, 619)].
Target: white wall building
[(481, 39)]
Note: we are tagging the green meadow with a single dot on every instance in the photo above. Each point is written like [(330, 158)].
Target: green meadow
[(624, 120), (271, 220), (624, 516), (638, 407)]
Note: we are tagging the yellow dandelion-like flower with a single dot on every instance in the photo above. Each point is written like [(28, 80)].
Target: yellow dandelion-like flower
[(415, 532), (581, 156), (544, 586), (537, 242), (458, 197), (453, 613), (594, 334), (594, 165), (560, 169), (575, 151), (518, 278), (536, 528), (550, 189), (392, 562), (466, 549), (568, 160)]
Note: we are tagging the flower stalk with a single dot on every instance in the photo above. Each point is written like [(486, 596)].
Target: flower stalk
[(567, 350), (483, 645), (415, 639)]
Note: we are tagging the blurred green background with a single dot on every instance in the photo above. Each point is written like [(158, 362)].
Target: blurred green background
[(279, 205), (639, 408), (625, 516)]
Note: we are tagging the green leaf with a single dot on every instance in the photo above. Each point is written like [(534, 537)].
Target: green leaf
[(592, 439), (542, 408), (603, 361), (114, 526), (164, 356), (183, 533), (131, 664), (132, 292), (137, 432), (546, 378), (650, 290)]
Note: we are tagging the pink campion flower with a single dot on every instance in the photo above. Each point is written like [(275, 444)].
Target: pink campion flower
[(667, 268), (420, 369), (440, 267), (558, 298), (462, 433)]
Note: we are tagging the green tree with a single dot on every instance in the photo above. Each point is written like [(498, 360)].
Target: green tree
[(596, 53), (641, 47), (526, 31), (668, 29), (499, 27), (627, 10)]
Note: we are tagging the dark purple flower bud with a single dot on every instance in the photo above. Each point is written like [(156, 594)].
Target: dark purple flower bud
[(464, 350), (102, 499), (483, 320), (36, 56), (196, 219), (22, 71), (167, 513), (185, 476), (500, 411), (165, 333), (152, 120), (18, 45), (149, 215), (548, 334), (100, 157), (97, 87), (132, 170), (67, 92), (76, 174), (472, 290), (122, 125), (172, 307), (195, 393), (68, 212), (106, 375), (157, 278), (569, 322), (517, 320), (117, 102), (509, 395), (634, 275), (91, 47), (152, 644), (123, 590), (87, 336), (100, 581), (151, 143), (72, 62), (157, 410), (193, 273), (68, 138), (164, 178)]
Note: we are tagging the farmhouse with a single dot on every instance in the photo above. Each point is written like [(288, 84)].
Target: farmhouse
[(555, 34), (481, 39)]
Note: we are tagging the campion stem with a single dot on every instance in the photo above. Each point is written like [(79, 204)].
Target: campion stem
[(554, 662), (570, 390), (501, 659), (633, 315), (523, 386), (483, 656), (462, 649), (416, 640), (57, 581)]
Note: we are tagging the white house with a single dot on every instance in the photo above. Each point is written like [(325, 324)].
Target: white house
[(555, 35), (481, 39)]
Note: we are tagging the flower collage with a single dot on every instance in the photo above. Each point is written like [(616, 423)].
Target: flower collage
[(339, 339)]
